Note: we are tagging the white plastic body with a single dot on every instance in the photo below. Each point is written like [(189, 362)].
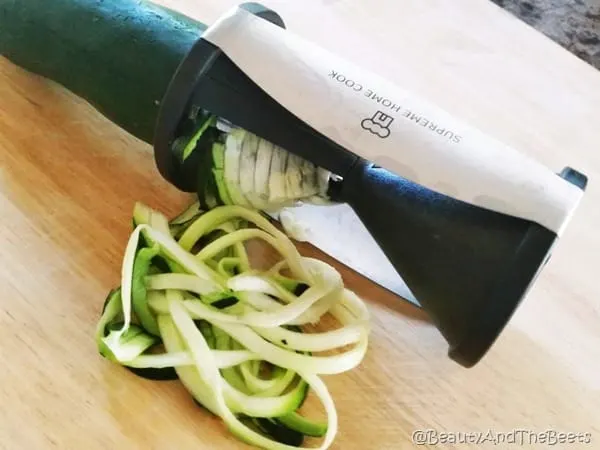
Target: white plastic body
[(390, 126)]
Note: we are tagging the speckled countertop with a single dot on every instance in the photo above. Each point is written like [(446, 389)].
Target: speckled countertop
[(574, 24)]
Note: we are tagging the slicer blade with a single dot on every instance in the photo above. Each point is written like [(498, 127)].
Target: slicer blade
[(337, 231)]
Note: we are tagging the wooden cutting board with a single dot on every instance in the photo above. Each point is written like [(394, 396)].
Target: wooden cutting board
[(69, 179)]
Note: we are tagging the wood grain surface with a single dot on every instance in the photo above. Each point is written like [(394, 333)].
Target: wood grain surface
[(69, 179)]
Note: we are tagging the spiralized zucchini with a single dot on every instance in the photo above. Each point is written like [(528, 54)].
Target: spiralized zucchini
[(191, 306)]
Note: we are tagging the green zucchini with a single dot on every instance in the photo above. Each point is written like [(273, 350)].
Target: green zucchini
[(235, 355), (231, 169), (118, 55), (193, 143), (188, 215), (179, 224), (143, 215), (111, 320), (141, 267), (296, 422), (279, 432), (218, 173)]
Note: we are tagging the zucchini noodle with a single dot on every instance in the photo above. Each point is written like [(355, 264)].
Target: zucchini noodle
[(191, 306)]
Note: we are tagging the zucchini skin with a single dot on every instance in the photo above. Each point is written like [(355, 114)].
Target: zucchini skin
[(162, 374), (118, 55)]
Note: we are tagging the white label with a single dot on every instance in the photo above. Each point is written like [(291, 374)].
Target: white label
[(390, 126)]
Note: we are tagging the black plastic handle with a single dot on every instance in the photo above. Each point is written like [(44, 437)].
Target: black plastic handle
[(469, 267)]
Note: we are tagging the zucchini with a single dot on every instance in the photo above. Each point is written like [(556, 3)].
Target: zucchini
[(139, 300), (117, 55), (218, 153), (244, 359), (218, 174), (179, 224), (143, 215), (120, 56), (277, 179), (247, 168), (300, 424), (293, 176), (188, 215), (231, 170), (198, 163), (264, 155), (279, 431), (193, 143), (111, 319)]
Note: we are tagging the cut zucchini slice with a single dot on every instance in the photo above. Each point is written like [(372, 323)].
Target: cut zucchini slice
[(233, 150), (262, 171)]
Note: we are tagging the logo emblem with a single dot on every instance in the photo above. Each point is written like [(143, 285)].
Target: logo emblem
[(379, 124)]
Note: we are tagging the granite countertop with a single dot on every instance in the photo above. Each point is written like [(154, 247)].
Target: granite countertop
[(574, 24)]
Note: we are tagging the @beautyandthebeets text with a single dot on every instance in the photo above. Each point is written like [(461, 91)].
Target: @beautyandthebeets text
[(517, 437)]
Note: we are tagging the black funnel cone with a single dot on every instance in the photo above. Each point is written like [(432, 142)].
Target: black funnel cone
[(468, 267)]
